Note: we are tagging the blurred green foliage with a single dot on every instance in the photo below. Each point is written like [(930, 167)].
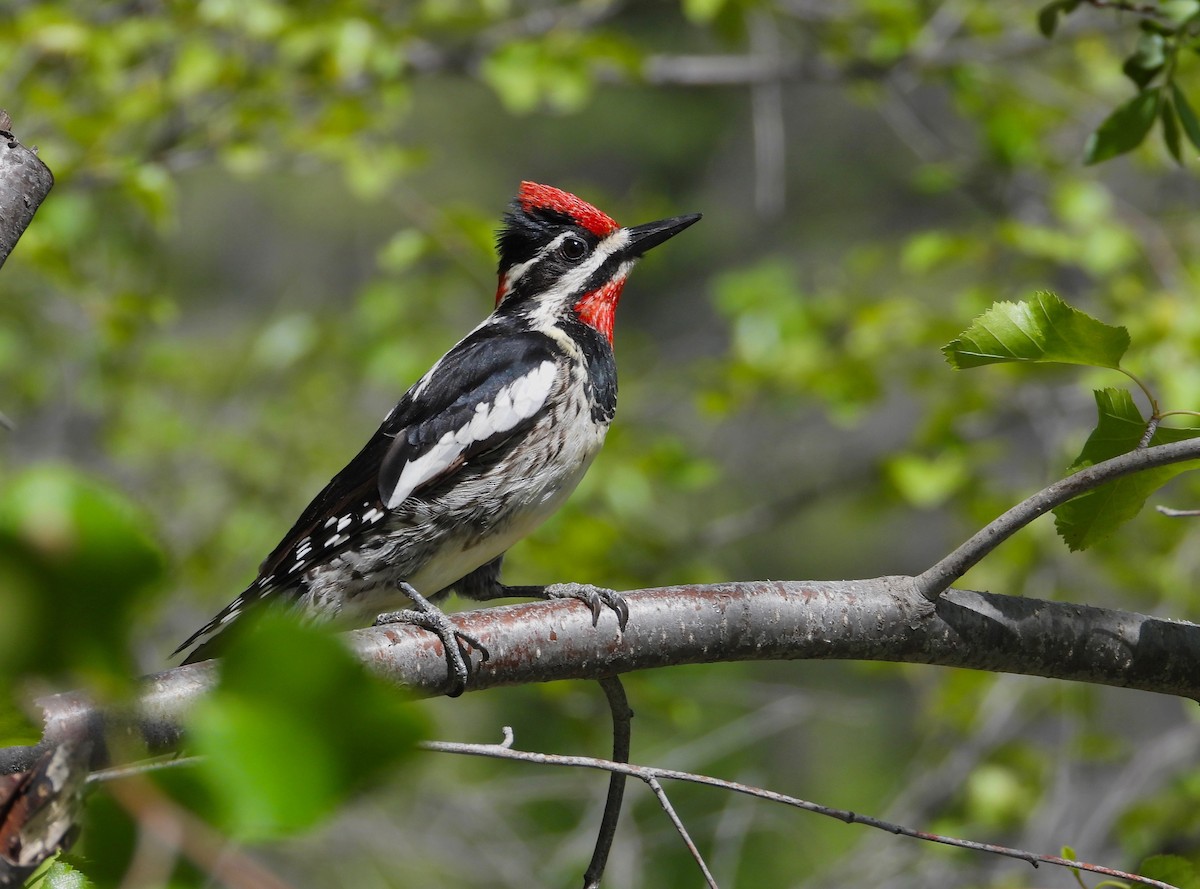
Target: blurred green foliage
[(76, 560), (295, 726), (270, 218)]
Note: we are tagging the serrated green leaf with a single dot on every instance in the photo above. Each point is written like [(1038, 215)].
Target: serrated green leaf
[(1124, 129), (1170, 125), (1093, 516), (1043, 329), (1187, 117), (57, 874)]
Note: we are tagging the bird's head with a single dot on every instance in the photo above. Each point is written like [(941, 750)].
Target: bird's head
[(559, 254)]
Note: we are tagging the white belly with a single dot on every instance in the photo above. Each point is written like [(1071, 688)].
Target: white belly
[(454, 562)]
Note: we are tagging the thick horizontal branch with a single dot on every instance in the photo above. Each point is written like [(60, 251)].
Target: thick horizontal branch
[(883, 619)]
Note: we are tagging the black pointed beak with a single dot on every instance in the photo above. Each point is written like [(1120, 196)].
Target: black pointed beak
[(651, 234)]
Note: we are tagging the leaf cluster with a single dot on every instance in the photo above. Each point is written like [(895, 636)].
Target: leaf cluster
[(1167, 32)]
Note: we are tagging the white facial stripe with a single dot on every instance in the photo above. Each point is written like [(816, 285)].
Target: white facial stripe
[(519, 400), (549, 303), (517, 271)]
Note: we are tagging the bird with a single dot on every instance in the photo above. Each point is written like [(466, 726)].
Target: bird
[(479, 452)]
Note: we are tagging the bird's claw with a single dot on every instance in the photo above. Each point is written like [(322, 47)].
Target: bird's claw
[(595, 597), (427, 616)]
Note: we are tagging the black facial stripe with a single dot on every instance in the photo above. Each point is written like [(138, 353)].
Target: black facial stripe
[(525, 233), (603, 274)]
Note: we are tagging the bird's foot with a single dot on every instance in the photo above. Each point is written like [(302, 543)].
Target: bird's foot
[(595, 597), (427, 616)]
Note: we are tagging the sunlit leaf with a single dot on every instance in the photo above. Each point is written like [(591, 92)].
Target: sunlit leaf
[(1043, 329), (57, 874)]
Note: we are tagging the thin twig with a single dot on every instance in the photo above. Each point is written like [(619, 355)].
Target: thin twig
[(674, 816), (622, 717), (649, 773), (1143, 9), (1178, 513), (116, 773), (933, 582), (1148, 435)]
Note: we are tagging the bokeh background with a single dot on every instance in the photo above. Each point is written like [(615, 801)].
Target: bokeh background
[(271, 218)]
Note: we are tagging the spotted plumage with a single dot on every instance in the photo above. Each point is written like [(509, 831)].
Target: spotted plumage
[(482, 449)]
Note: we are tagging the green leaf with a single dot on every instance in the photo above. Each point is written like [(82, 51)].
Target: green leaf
[(1170, 126), (1044, 329), (1049, 14), (58, 875), (1179, 12), (1145, 63), (1124, 129), (1171, 869), (1093, 516), (1187, 117), (296, 726)]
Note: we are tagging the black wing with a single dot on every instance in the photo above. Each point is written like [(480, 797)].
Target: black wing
[(490, 387), (462, 408)]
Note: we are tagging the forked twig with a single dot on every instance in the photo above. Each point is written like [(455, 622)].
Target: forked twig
[(687, 840), (652, 773), (933, 582)]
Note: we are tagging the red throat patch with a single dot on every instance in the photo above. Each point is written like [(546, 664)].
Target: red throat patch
[(598, 309), (533, 196)]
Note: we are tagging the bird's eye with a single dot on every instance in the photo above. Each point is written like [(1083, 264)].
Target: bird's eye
[(572, 248)]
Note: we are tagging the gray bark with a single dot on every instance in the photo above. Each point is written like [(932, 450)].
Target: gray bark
[(884, 619), (24, 183)]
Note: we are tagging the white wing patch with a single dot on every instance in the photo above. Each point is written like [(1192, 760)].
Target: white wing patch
[(519, 400)]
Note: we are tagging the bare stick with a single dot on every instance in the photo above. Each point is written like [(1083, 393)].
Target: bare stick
[(24, 183), (652, 773), (622, 717), (933, 582), (674, 816), (1178, 513)]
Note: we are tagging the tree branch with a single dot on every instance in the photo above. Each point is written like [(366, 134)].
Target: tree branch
[(932, 582), (24, 183), (883, 619)]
